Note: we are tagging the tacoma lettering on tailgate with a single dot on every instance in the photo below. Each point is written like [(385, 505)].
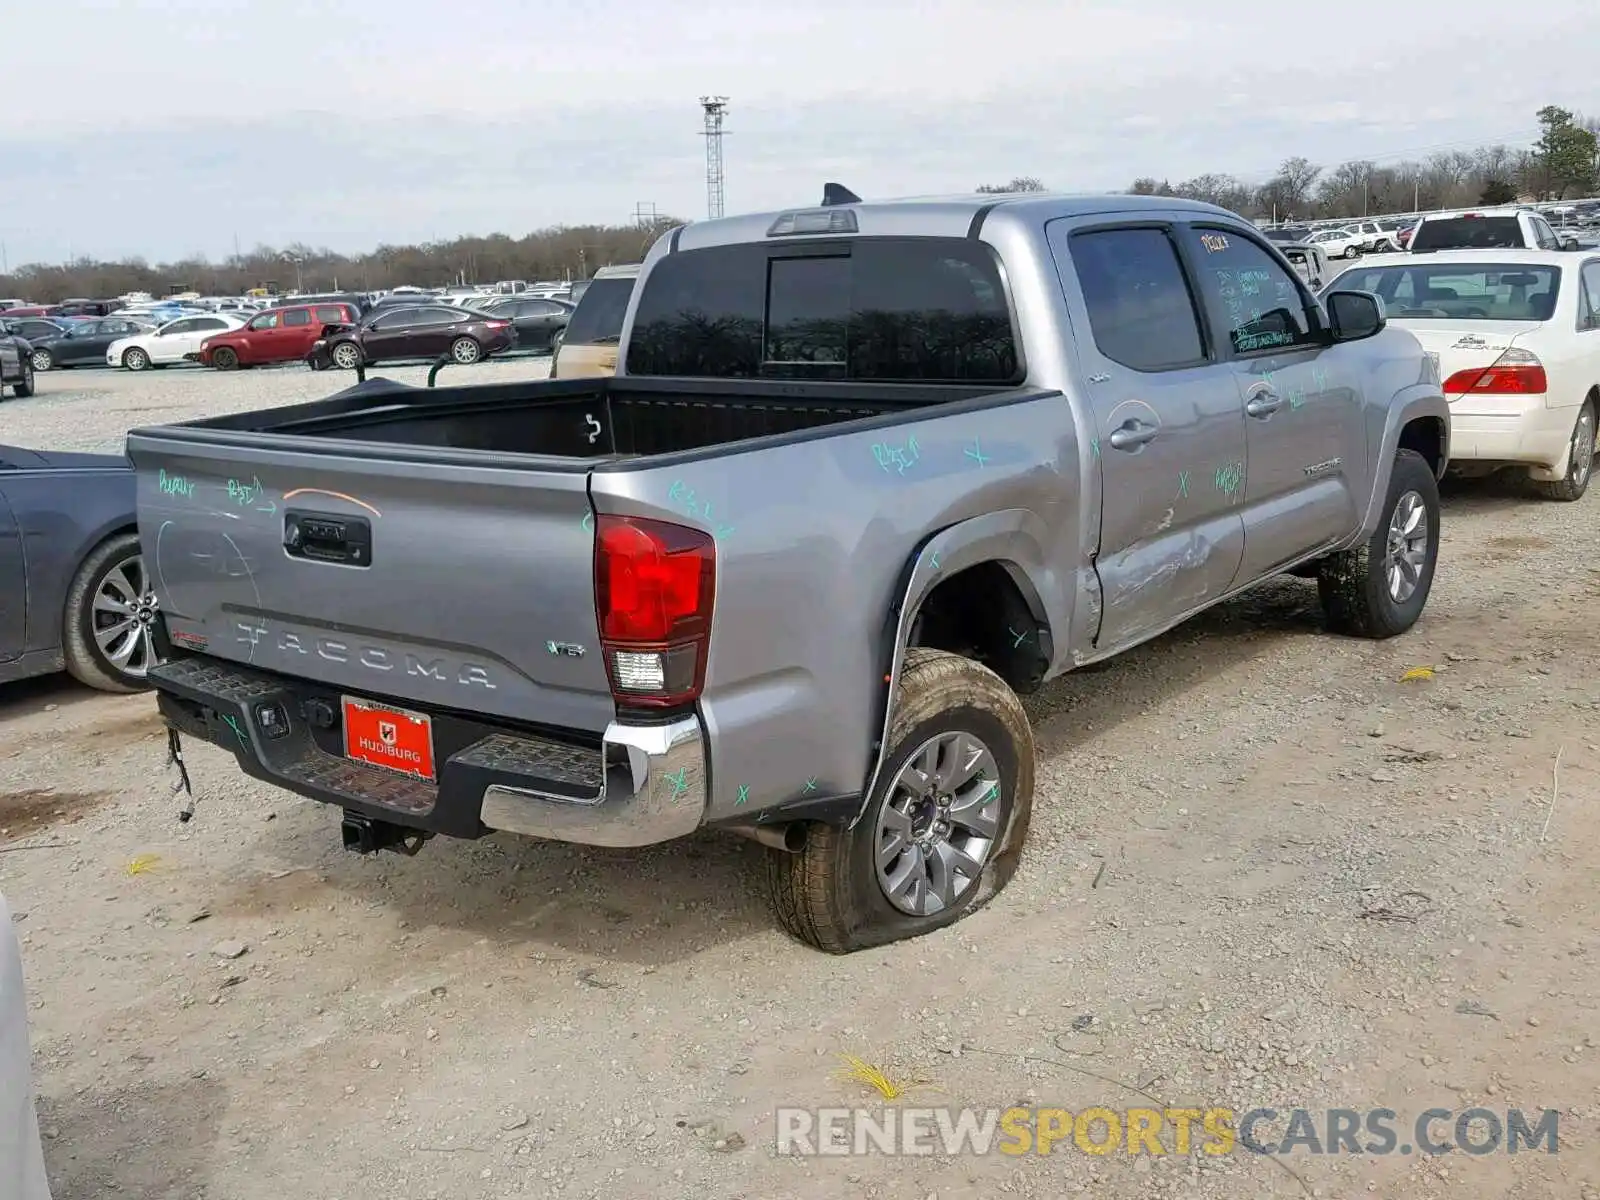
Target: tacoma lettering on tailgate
[(366, 654)]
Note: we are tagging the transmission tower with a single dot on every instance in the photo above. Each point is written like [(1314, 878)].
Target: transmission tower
[(715, 107)]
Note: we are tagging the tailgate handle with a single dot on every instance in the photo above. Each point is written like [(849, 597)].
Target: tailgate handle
[(328, 537)]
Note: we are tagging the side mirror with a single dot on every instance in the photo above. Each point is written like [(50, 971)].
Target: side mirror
[(1353, 316), (1570, 244)]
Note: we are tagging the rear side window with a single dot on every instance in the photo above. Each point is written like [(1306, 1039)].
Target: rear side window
[(332, 315), (1140, 309), (297, 316), (599, 315), (891, 309), (1469, 233)]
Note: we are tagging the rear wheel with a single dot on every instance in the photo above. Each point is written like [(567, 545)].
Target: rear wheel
[(111, 634), (135, 359), (943, 829), (224, 359), (42, 360), (1580, 460), (346, 356), (1378, 590), (465, 350)]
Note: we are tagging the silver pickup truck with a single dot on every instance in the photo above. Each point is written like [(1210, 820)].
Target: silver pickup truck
[(865, 473)]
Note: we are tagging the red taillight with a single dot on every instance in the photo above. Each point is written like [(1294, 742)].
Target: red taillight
[(497, 324), (1514, 373), (654, 583)]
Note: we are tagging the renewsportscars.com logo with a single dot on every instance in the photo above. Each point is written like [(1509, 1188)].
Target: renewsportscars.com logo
[(1159, 1131)]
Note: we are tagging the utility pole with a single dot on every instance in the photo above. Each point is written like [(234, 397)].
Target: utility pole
[(715, 107)]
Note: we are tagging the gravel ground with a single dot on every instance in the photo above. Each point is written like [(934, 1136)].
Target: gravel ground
[(1263, 871)]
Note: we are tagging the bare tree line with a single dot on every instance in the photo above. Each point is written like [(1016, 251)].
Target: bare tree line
[(1562, 163), (558, 253)]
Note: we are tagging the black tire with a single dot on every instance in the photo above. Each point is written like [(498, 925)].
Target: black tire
[(1580, 467), (827, 894), (1354, 585), (346, 356), (465, 351), (24, 387), (135, 359), (225, 358), (86, 661), (43, 360)]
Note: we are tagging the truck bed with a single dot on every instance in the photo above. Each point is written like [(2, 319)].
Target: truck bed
[(586, 420)]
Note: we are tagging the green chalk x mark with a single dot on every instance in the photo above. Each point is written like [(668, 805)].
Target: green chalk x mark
[(976, 453), (1017, 638), (233, 724), (744, 794), (679, 782), (811, 786), (1183, 483)]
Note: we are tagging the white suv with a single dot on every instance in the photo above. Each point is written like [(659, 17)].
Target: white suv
[(1484, 229)]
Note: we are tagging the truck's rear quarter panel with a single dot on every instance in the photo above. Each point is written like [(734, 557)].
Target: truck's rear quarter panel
[(814, 537)]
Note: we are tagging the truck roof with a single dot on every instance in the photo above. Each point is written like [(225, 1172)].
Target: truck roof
[(938, 216)]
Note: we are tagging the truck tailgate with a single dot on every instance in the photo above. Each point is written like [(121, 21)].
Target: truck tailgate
[(466, 587)]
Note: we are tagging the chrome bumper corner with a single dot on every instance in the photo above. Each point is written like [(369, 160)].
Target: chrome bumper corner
[(659, 795)]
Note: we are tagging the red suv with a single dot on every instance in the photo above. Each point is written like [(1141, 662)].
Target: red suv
[(277, 335)]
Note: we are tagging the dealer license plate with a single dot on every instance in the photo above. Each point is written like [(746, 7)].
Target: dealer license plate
[(393, 738)]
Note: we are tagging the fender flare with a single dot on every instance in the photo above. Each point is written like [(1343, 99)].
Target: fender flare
[(1417, 400), (1014, 538)]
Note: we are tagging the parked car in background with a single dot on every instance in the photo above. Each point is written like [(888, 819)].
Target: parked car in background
[(84, 344), (1288, 233), (16, 364), (1377, 237), (1310, 261), (1515, 337), (81, 308), (28, 310), (171, 343), (539, 323), (592, 613), (589, 346), (76, 591), (275, 336), (422, 332), (1483, 229), (1338, 243), (35, 329)]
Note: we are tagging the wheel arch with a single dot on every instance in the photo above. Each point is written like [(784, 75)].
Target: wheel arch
[(965, 577), (1418, 418)]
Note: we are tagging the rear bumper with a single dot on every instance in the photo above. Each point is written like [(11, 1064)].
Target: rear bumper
[(639, 785), (1519, 429)]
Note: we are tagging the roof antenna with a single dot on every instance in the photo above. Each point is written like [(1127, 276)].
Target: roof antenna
[(837, 193)]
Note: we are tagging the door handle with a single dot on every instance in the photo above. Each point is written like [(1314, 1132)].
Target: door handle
[(1132, 434), (1263, 404)]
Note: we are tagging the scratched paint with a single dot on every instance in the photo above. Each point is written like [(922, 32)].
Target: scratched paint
[(898, 459)]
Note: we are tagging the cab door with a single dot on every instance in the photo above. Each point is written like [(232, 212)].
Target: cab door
[(1169, 424), (1305, 442)]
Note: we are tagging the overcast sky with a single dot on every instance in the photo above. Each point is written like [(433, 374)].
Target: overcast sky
[(168, 127)]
